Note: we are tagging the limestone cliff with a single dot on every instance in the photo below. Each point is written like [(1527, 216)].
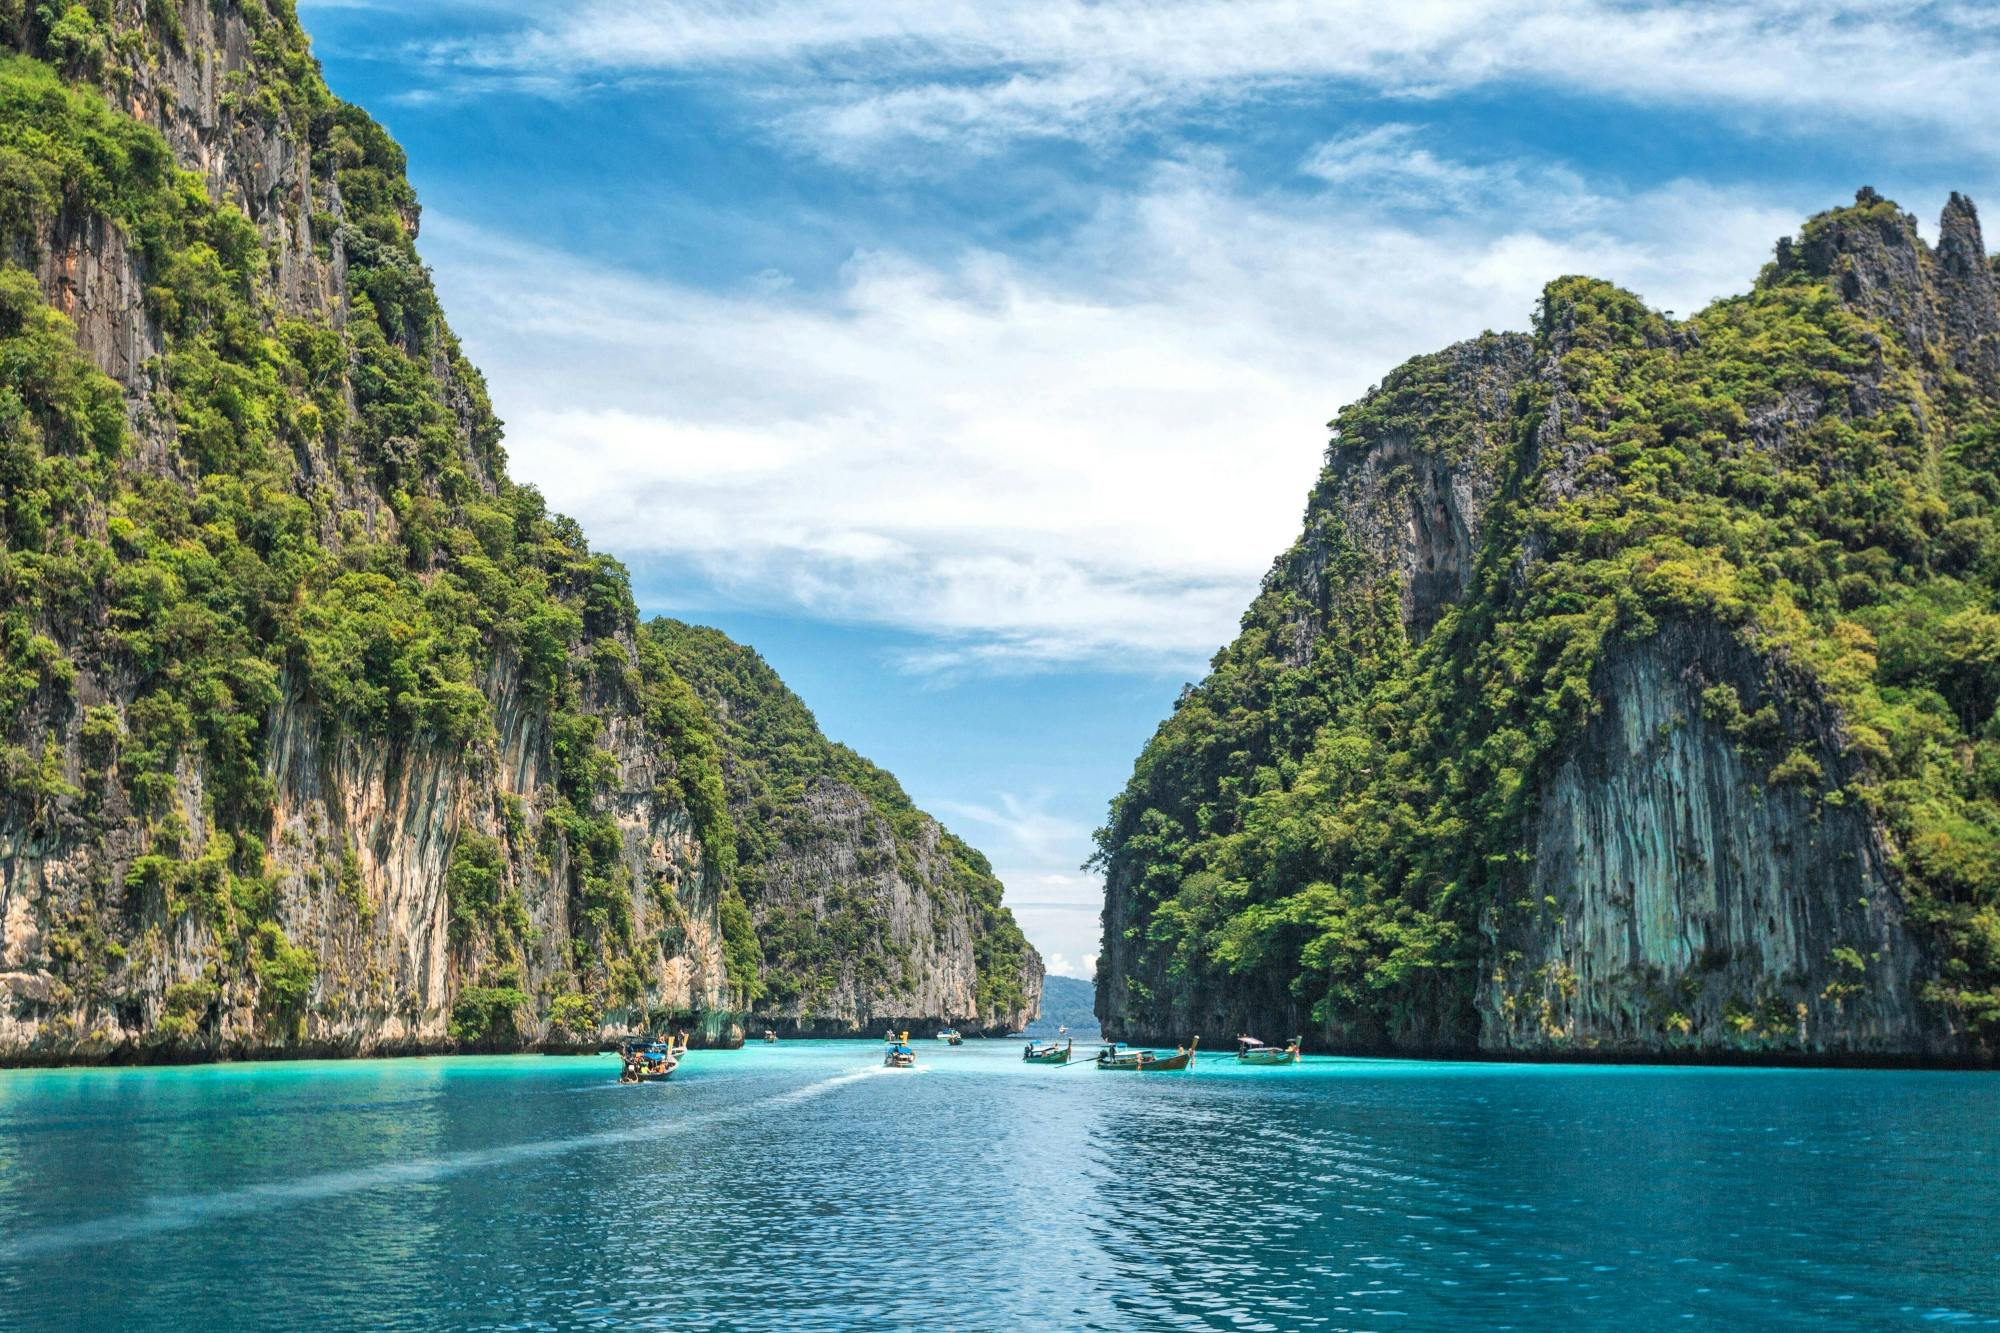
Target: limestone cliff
[(1674, 892), (868, 914), (1632, 691), (318, 734), (286, 770)]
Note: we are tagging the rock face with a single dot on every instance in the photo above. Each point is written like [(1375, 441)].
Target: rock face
[(869, 915), (1415, 498), (1675, 893), (318, 734), (1584, 719), (133, 923)]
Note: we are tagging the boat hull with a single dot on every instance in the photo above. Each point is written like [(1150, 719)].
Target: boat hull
[(1165, 1064), (1145, 1062), (650, 1061)]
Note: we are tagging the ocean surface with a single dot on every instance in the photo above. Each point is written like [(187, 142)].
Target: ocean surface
[(802, 1186)]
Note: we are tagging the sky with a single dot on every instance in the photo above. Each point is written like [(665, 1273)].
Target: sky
[(972, 360)]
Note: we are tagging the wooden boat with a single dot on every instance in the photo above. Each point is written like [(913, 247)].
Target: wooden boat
[(650, 1060), (950, 1036), (1147, 1062), (770, 1034), (1250, 1051), (1048, 1053), (900, 1054), (1111, 1057)]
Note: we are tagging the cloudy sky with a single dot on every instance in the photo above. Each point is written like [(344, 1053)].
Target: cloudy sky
[(971, 360)]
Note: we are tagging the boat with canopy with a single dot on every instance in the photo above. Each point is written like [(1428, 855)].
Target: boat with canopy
[(1147, 1062), (1049, 1052), (1251, 1051), (650, 1059), (899, 1053)]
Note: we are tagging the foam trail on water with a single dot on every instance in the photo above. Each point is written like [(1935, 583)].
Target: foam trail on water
[(180, 1212), (825, 1085)]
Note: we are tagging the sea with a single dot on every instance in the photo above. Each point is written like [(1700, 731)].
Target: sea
[(803, 1185)]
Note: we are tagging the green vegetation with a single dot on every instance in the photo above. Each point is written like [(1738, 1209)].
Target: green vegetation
[(574, 1016), (285, 972), (186, 1004), (1336, 829), (303, 510), (475, 886), (489, 1015), (775, 757)]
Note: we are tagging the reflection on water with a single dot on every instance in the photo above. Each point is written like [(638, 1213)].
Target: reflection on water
[(802, 1186)]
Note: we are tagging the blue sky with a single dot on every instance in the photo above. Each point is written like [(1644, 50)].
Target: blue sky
[(971, 360)]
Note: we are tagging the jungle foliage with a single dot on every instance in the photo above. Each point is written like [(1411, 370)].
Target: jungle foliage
[(774, 756), (331, 520), (1779, 464)]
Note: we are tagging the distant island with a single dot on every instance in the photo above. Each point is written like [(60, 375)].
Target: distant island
[(1066, 1002)]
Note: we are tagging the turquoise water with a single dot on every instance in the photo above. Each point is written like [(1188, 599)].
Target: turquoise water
[(802, 1186)]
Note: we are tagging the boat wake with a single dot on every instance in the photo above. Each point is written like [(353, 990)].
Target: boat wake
[(821, 1088), (179, 1212)]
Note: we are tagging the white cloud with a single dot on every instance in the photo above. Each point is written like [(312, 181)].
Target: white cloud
[(1391, 164), (1088, 458), (1026, 828), (847, 73), (1063, 965), (1035, 850)]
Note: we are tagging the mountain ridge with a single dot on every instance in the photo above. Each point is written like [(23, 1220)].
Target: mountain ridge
[(868, 911)]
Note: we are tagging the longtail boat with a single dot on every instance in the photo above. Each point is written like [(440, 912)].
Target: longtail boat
[(770, 1034), (650, 1059), (1147, 1062), (1048, 1053), (900, 1054), (950, 1036), (1250, 1051), (1113, 1056)]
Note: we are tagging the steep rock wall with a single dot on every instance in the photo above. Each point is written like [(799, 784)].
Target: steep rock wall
[(1678, 898), (1411, 488), (868, 913), (911, 960), (136, 933), (1681, 744)]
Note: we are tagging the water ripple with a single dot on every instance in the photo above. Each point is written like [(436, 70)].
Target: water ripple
[(798, 1187)]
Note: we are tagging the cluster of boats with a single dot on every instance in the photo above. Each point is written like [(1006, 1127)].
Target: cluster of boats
[(654, 1059), (1115, 1055)]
